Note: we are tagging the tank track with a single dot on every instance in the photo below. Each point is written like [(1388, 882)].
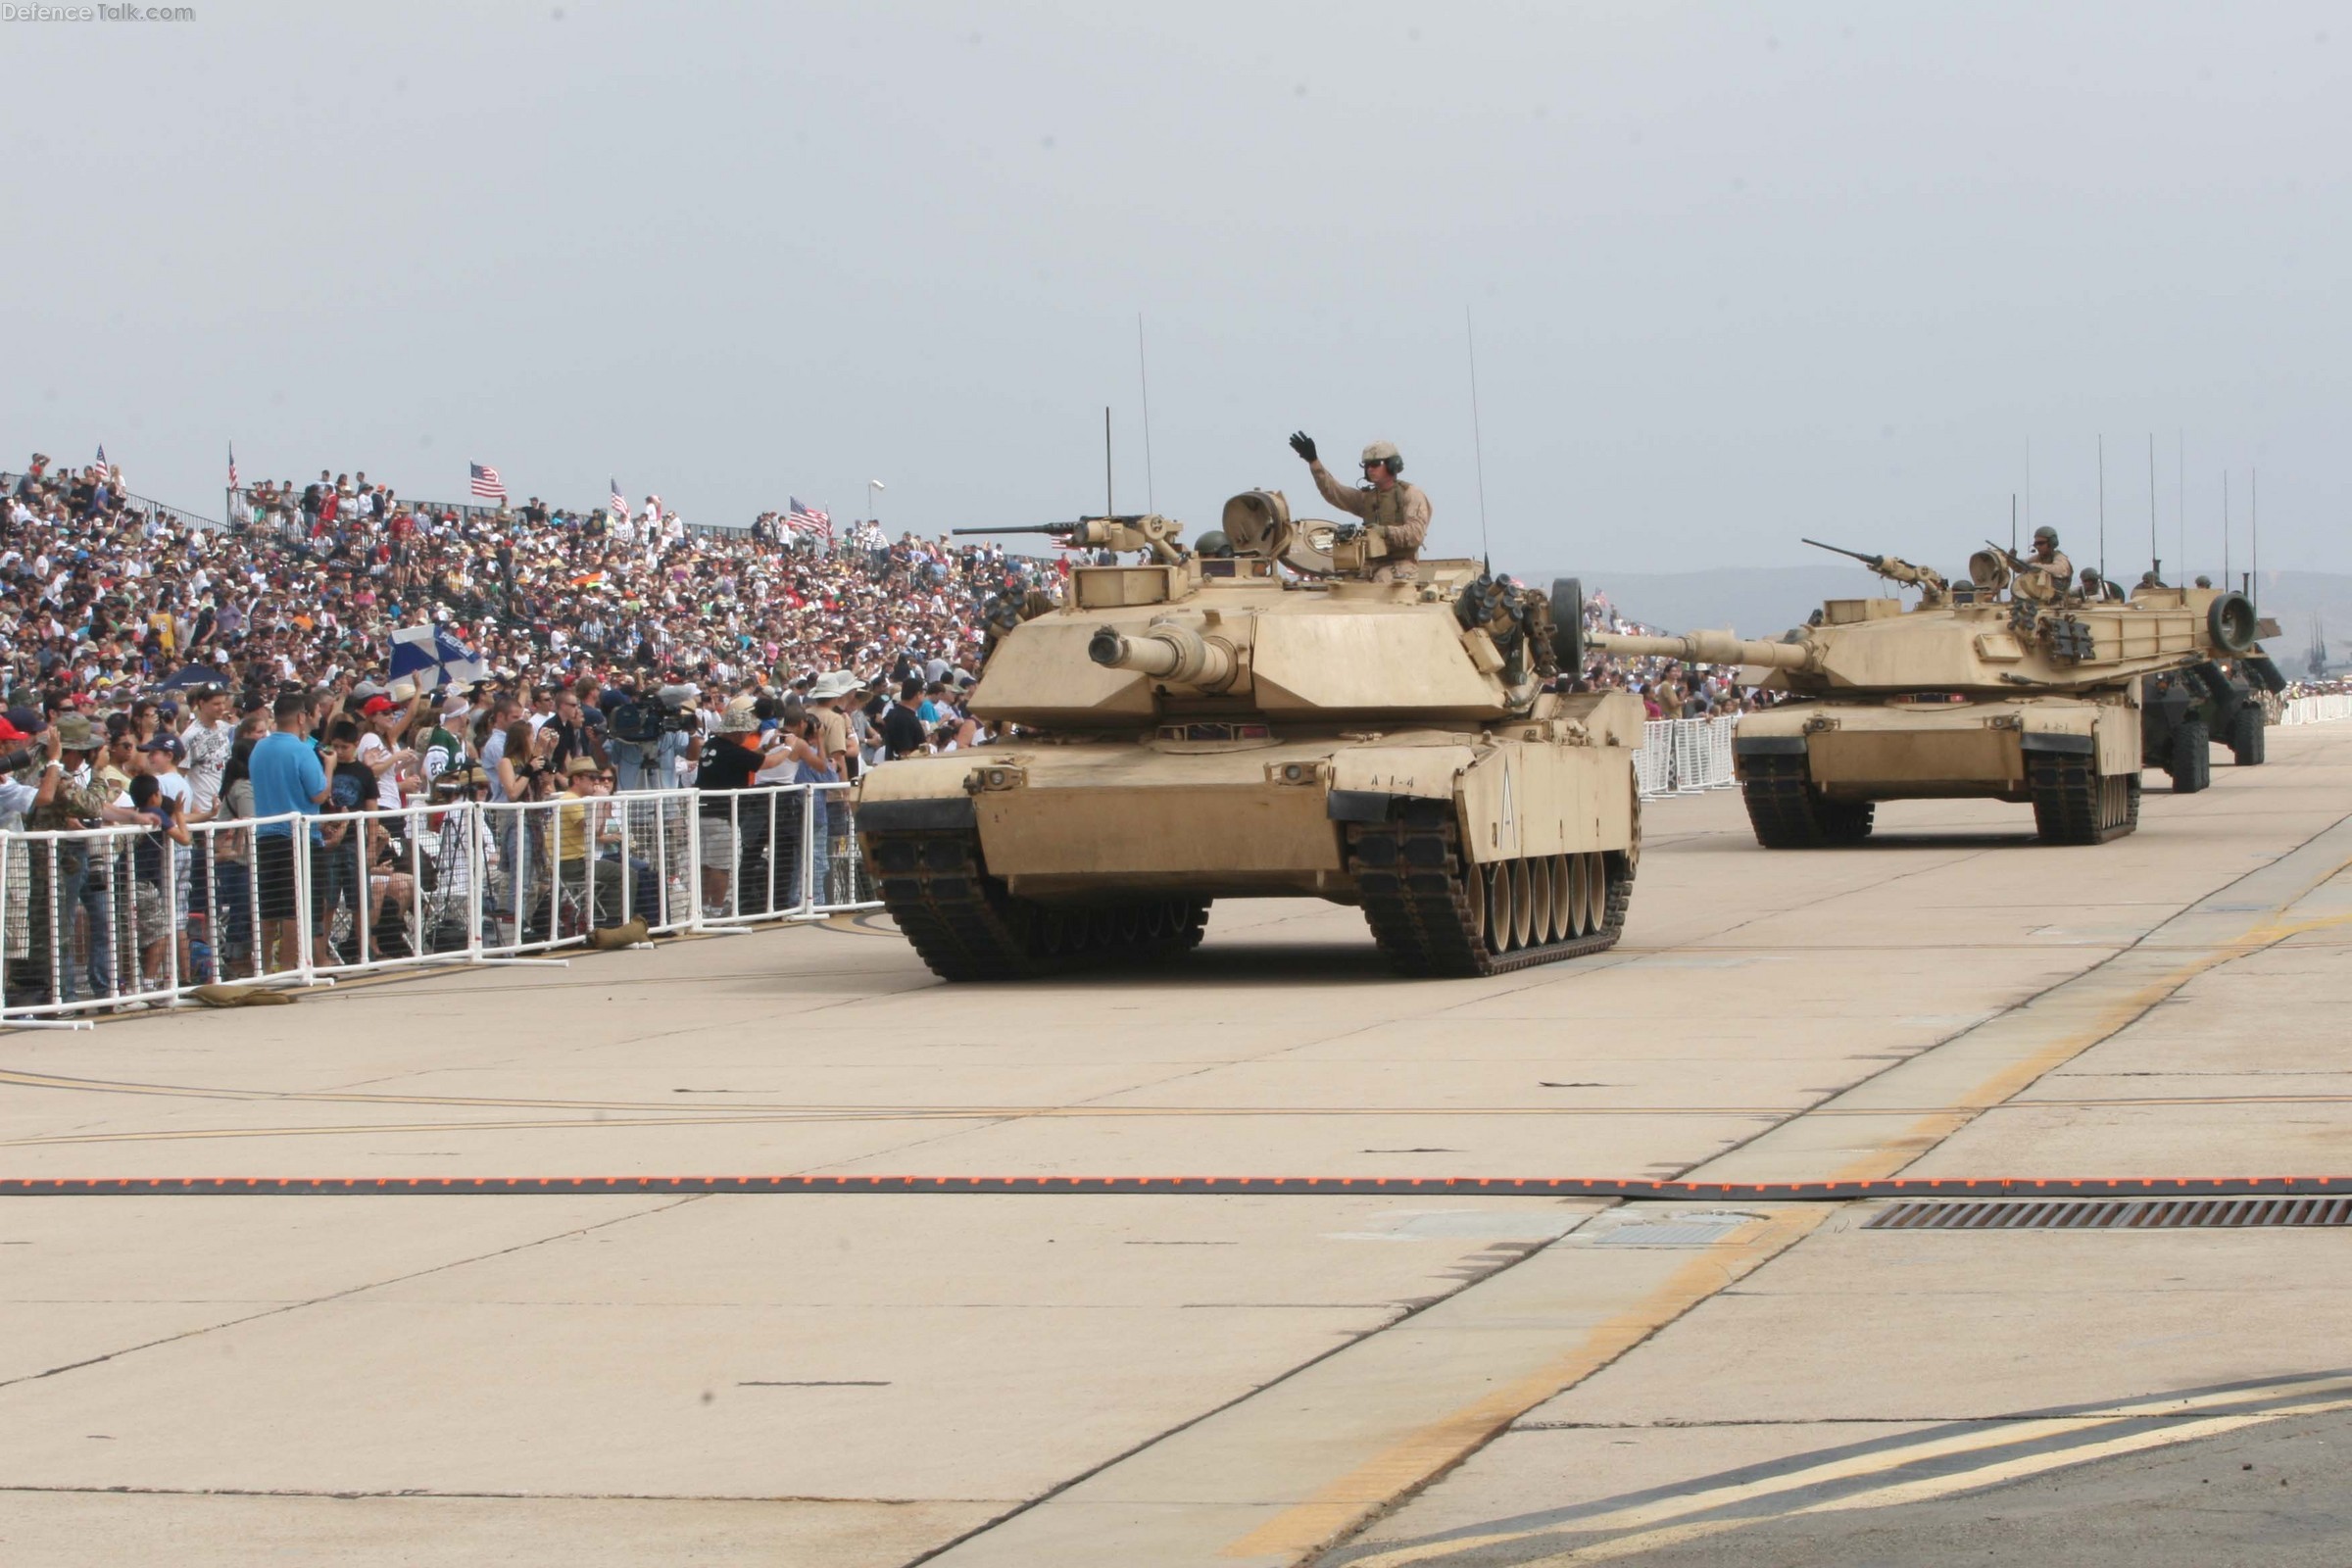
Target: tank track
[(2073, 805), (1427, 906), (966, 926), (1788, 813)]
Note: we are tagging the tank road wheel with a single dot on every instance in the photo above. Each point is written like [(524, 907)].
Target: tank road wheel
[(2072, 805), (1435, 912), (1788, 813), (2190, 764), (2246, 737), (966, 925)]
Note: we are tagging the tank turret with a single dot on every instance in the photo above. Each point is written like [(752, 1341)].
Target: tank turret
[(1261, 721)]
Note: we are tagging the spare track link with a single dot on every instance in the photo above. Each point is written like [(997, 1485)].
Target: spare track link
[(1423, 903), (1788, 816), (966, 926), (2074, 804)]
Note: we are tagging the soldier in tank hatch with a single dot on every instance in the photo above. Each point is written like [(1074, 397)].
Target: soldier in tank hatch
[(1396, 513), (2049, 558)]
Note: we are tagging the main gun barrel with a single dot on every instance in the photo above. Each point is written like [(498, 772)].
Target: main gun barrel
[(1037, 527), (1168, 651), (1705, 648)]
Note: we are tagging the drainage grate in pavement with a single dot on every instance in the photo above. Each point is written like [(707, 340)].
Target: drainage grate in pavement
[(2117, 1214)]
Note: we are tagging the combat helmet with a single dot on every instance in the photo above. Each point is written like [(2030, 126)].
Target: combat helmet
[(1383, 451)]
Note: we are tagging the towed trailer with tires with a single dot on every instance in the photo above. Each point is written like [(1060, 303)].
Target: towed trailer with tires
[(2184, 711)]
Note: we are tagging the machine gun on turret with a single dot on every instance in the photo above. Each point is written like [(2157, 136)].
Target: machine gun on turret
[(1134, 530), (1933, 588)]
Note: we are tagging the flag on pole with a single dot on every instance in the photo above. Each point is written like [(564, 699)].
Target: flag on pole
[(806, 518), (486, 482), (620, 503), (431, 657), (102, 468), (232, 466)]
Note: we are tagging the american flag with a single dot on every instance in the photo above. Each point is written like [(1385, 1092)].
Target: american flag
[(619, 502), (806, 518), (232, 465), (102, 458), (486, 482)]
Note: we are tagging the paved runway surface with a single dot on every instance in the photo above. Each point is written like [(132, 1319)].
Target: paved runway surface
[(1370, 1379)]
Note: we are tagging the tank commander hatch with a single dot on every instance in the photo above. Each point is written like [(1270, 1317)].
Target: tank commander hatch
[(1394, 512), (2051, 559)]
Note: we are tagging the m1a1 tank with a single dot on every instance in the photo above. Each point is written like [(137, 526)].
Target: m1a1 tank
[(2002, 687), (1254, 718)]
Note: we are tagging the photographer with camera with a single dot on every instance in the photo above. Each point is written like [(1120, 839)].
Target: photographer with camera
[(736, 833), (648, 734)]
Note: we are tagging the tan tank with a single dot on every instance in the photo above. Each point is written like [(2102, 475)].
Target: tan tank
[(2001, 687), (1252, 719)]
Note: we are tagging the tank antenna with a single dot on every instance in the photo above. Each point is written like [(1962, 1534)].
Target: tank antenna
[(1143, 374), (2155, 561), (1478, 449), (2254, 530), (1110, 506), (2225, 527), (2102, 510), (2180, 502)]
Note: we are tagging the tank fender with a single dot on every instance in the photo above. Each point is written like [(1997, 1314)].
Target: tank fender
[(1387, 783)]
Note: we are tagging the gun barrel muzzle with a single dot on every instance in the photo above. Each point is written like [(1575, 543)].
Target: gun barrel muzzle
[(1165, 652)]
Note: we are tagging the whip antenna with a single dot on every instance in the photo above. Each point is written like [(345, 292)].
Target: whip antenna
[(1143, 374), (2102, 514), (1478, 450), (1110, 505)]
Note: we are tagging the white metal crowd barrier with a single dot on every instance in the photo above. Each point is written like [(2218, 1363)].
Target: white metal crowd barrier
[(117, 917), (1684, 755), (2319, 708)]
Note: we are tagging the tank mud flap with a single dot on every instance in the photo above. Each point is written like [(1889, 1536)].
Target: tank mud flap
[(967, 925), (2075, 805), (1436, 914)]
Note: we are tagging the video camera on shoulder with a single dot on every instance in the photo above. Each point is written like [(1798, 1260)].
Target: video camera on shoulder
[(642, 718)]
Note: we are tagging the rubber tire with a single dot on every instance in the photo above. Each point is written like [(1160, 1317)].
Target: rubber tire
[(2247, 739), (2190, 766)]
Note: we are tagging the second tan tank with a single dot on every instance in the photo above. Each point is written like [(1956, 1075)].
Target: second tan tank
[(2000, 687)]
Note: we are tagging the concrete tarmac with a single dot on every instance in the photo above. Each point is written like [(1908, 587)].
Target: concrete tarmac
[(881, 1380)]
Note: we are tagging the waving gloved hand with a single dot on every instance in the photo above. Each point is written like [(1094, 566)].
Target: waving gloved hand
[(1303, 444)]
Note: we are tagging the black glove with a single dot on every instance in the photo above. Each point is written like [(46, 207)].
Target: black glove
[(1303, 444)]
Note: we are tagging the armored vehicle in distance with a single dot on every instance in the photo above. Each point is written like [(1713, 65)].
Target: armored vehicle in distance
[(1253, 718), (2002, 687), (2184, 711)]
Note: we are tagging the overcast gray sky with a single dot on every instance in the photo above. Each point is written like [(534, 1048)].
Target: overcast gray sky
[(1739, 272)]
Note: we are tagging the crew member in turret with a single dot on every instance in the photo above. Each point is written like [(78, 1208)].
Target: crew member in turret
[(2051, 559), (1394, 512)]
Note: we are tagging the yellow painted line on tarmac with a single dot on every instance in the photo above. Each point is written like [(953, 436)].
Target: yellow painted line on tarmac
[(1658, 1522), (1425, 1452), (2106, 1021)]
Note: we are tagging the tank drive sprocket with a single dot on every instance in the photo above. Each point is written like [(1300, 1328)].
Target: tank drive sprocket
[(968, 925), (1433, 913)]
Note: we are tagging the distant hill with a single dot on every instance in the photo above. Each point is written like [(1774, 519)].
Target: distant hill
[(1766, 601)]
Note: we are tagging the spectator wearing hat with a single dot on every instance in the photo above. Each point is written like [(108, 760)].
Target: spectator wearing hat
[(579, 828), (380, 750), (735, 837)]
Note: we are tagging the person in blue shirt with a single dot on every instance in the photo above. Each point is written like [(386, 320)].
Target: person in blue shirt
[(288, 780)]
